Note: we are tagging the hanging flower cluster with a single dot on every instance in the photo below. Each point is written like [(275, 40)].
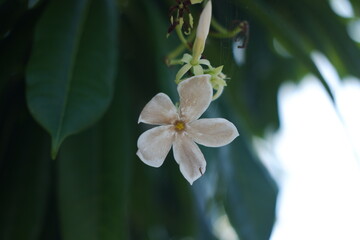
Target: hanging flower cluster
[(195, 63), (179, 126)]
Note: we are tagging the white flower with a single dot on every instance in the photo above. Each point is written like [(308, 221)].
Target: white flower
[(181, 128)]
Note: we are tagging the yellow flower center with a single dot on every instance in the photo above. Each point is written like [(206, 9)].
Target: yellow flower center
[(179, 126)]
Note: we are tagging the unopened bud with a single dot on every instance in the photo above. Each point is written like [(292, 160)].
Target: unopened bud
[(202, 31), (195, 1)]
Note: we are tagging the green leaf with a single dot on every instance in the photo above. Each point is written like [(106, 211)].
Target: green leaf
[(250, 199), (296, 43), (92, 183), (249, 194), (93, 173), (329, 35), (72, 67)]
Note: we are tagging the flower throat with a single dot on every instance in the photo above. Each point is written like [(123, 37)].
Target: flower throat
[(179, 126)]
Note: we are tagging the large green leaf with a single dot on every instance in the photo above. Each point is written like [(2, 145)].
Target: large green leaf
[(71, 70), (92, 183), (296, 43), (328, 33), (93, 173), (250, 195), (247, 191)]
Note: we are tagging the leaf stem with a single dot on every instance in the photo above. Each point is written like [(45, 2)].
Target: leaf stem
[(181, 36), (218, 26), (172, 62), (223, 32)]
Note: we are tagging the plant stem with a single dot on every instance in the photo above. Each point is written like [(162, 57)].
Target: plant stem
[(223, 32), (181, 36), (218, 26), (172, 62)]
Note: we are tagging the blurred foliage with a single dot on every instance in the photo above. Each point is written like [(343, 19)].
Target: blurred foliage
[(76, 36), (74, 75)]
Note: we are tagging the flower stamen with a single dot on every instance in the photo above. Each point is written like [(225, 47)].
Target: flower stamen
[(179, 126)]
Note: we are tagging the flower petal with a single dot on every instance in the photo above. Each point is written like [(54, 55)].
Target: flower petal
[(154, 145), (195, 97), (160, 110), (203, 28), (188, 155), (212, 132)]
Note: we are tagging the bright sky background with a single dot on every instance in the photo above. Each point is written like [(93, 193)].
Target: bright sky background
[(315, 159), (320, 184), (315, 156)]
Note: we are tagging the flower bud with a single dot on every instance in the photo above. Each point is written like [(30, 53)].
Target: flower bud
[(202, 31), (195, 1)]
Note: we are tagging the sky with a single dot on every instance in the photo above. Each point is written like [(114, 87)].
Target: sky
[(318, 163), (315, 157)]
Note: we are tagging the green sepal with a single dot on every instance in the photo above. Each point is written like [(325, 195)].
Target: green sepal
[(186, 58), (183, 70), (205, 62), (198, 70)]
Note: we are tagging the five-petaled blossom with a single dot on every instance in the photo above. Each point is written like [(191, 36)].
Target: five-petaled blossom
[(181, 129)]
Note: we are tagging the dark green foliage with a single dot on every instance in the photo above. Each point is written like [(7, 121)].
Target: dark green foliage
[(74, 76), (25, 168), (93, 170), (72, 66)]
